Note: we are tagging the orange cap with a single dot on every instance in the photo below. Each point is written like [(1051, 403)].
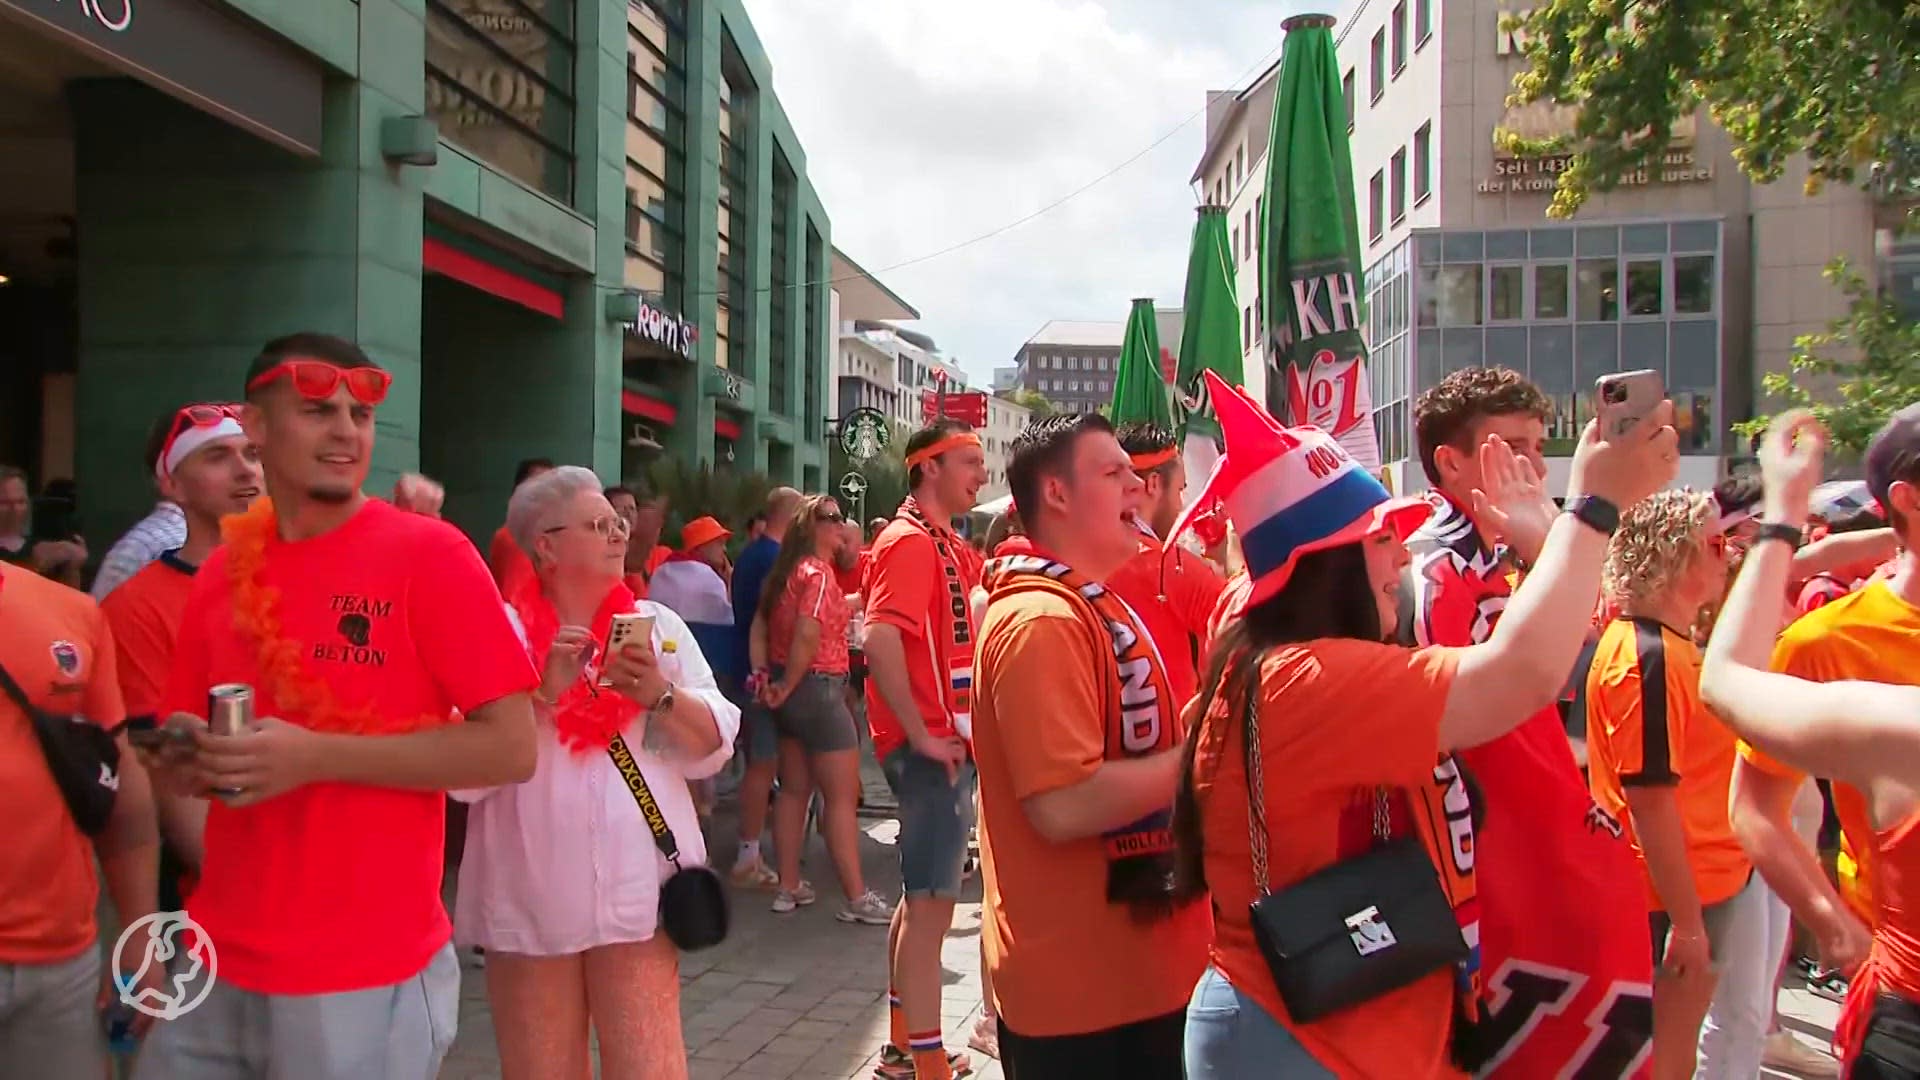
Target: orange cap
[(702, 531)]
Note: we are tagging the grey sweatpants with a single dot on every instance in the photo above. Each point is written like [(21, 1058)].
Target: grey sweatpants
[(397, 1032), (48, 1023)]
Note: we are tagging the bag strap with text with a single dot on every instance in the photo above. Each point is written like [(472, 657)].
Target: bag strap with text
[(629, 767)]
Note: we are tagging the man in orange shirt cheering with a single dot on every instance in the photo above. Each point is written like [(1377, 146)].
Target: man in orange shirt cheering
[(920, 678), (1174, 596), (1092, 962)]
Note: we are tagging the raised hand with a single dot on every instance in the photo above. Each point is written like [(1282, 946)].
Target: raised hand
[(1512, 500), (572, 647), (1791, 456)]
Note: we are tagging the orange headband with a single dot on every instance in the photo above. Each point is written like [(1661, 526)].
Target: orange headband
[(1150, 462), (952, 442)]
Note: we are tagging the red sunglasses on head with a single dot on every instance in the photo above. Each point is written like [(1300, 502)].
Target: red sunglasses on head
[(317, 380), (203, 415)]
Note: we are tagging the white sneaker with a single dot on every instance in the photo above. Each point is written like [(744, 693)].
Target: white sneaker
[(784, 901), (1786, 1052), (868, 908)]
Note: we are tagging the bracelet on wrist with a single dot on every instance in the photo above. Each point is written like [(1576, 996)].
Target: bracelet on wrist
[(1794, 536)]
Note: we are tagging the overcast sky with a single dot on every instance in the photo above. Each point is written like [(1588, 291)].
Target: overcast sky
[(927, 122)]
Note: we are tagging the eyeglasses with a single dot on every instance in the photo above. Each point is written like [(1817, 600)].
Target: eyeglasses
[(607, 528), (316, 380)]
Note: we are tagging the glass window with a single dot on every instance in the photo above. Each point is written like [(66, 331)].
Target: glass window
[(1507, 245), (1550, 290), (1604, 240), (1596, 352), (1459, 295), (1507, 346), (1462, 247), (1692, 284), (1376, 195), (1399, 37), (1423, 161), (1399, 174), (1644, 345), (1462, 349), (501, 85), (1427, 354), (1597, 290), (1346, 91), (1643, 239), (1646, 288), (1551, 243), (1693, 354), (1378, 66), (1693, 419), (1550, 358), (1695, 235), (1422, 21), (1505, 284)]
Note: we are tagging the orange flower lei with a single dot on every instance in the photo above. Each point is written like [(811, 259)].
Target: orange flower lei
[(304, 698)]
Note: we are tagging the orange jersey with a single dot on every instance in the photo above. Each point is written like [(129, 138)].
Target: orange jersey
[(144, 613), (55, 644), (1337, 717), (907, 590), (1065, 960), (1646, 726), (1174, 600)]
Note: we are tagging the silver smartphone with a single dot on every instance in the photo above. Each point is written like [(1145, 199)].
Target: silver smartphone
[(1622, 400), (625, 627)]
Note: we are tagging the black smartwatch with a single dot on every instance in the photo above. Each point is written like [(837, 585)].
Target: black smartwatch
[(1595, 513), (1794, 535)]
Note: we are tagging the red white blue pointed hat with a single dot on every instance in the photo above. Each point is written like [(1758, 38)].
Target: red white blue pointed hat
[(1291, 491)]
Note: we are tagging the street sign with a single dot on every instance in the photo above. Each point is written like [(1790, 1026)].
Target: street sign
[(853, 485), (864, 432), (969, 408)]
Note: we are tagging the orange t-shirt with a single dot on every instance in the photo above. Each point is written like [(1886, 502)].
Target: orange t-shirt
[(1337, 717), (907, 590), (144, 613), (509, 565), (56, 645), (1064, 960), (1873, 635), (332, 886), (814, 591), (1179, 622), (1646, 726)]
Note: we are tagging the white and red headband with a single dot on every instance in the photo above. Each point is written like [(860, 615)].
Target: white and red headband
[(182, 446)]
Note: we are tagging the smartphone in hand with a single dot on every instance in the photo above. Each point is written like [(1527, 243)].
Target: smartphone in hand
[(626, 627), (1623, 399)]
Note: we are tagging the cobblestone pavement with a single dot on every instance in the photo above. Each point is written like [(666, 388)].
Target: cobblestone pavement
[(786, 997)]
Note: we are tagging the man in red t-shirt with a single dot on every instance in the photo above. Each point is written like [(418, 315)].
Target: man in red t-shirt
[(362, 630), (1172, 594), (1562, 931), (919, 645)]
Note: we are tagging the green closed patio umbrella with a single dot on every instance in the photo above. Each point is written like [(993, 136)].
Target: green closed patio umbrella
[(1310, 268), (1139, 391), (1209, 341)]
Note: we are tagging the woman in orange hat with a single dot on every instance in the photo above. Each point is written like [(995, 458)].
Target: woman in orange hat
[(1317, 745)]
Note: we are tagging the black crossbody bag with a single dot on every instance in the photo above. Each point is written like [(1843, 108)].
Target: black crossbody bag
[(1356, 930), (694, 913), (81, 755)]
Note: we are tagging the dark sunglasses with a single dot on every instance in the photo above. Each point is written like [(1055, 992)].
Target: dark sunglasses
[(830, 519)]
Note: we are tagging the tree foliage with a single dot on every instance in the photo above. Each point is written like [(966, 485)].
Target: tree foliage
[(1837, 80), (702, 490), (1860, 370), (1034, 401)]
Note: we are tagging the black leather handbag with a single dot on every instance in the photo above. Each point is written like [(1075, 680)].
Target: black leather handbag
[(1357, 929), (694, 910), (81, 755)]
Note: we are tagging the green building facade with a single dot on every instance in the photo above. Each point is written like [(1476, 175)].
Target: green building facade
[(465, 188)]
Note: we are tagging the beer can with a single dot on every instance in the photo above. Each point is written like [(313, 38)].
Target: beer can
[(230, 709), (230, 712)]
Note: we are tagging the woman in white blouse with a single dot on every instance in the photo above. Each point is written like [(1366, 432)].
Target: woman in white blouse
[(561, 879)]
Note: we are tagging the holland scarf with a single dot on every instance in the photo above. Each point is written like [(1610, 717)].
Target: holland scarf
[(1139, 711), (953, 650)]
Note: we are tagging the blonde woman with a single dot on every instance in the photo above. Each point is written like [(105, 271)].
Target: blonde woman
[(1661, 764), (561, 879)]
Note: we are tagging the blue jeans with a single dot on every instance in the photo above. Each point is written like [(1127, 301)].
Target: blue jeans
[(935, 816), (1231, 1037)]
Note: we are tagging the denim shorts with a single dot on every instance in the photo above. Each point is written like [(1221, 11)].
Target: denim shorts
[(1230, 1035), (816, 715), (935, 816)]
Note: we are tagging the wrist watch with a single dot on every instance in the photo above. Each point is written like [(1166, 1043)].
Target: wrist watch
[(1794, 535), (1595, 513), (663, 704)]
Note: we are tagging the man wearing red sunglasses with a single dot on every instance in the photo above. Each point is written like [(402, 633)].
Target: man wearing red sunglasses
[(384, 672)]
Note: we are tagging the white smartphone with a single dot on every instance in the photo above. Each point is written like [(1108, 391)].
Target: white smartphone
[(1623, 399), (625, 627)]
